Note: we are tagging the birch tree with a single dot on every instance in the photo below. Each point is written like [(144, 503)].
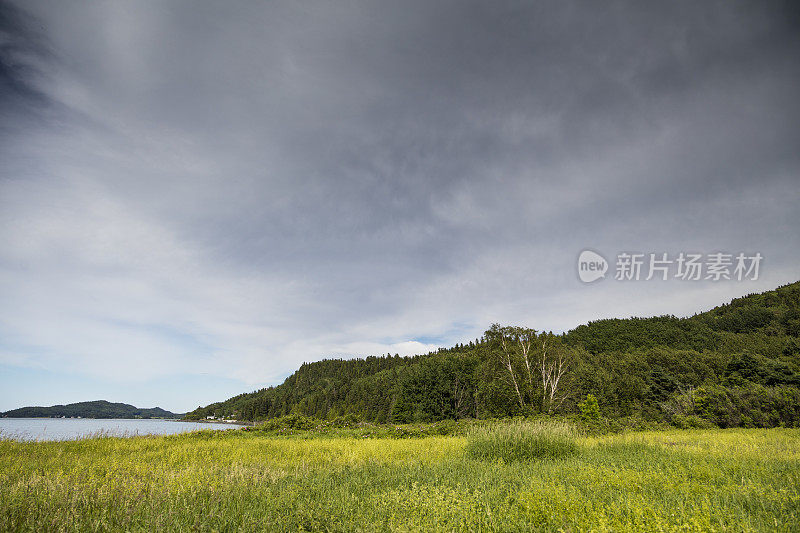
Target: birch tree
[(532, 365), (515, 345), (554, 364)]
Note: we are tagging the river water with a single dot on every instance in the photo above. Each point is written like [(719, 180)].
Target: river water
[(42, 429)]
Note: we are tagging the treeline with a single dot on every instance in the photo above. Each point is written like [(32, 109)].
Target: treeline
[(95, 409), (736, 365)]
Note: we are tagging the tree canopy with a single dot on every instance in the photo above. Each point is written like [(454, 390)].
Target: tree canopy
[(737, 364)]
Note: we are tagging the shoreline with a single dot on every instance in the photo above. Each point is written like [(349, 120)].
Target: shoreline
[(237, 423)]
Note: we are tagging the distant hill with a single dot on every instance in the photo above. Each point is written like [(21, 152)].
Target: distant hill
[(95, 409), (735, 365)]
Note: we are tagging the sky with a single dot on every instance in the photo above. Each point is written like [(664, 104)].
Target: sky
[(196, 197)]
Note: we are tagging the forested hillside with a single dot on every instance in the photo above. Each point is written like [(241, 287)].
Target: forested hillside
[(95, 409), (736, 365)]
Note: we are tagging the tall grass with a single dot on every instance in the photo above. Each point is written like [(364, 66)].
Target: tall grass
[(523, 440), (699, 480)]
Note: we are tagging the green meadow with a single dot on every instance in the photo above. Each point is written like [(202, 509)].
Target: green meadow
[(517, 476)]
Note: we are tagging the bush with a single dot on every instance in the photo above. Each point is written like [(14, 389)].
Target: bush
[(590, 410), (749, 405), (445, 427), (292, 421), (690, 422), (347, 421), (521, 441)]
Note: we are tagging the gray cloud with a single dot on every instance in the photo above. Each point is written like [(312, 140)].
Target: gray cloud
[(240, 189)]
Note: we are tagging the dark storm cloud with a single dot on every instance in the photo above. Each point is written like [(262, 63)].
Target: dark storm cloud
[(17, 42), (285, 181), (20, 102)]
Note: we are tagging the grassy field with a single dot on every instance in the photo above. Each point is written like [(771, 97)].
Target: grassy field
[(702, 480)]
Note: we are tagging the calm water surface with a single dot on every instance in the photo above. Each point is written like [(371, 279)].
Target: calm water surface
[(75, 428)]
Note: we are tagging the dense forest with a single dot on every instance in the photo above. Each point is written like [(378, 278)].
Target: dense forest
[(736, 365), (95, 409)]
